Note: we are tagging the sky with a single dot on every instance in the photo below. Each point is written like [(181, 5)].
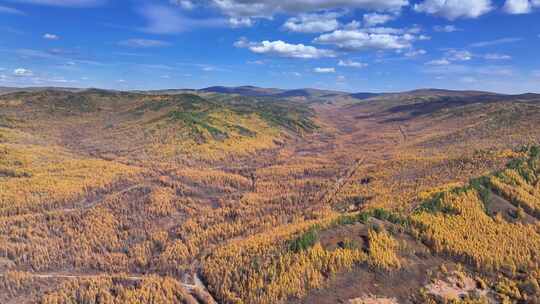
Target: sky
[(348, 45)]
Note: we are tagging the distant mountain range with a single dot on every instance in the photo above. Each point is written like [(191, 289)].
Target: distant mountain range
[(304, 94)]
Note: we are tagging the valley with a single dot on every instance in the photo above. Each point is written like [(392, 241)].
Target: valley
[(252, 195)]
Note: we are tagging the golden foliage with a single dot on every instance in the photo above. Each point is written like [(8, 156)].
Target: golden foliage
[(161, 202), (14, 281), (383, 250), (261, 269), (35, 178), (468, 232), (152, 289), (509, 183), (170, 139)]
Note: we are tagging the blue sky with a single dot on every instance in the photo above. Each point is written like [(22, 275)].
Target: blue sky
[(351, 45)]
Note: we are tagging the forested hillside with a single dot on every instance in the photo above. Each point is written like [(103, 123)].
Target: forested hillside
[(220, 196)]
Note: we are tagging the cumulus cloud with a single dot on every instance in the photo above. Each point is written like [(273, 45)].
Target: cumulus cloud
[(353, 25), (352, 64), (22, 72), (267, 8), (51, 36), (324, 70), (143, 43), (454, 9), (313, 23), (370, 39), (283, 49), (374, 19), (520, 6)]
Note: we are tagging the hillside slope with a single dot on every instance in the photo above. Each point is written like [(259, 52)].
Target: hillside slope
[(202, 197)]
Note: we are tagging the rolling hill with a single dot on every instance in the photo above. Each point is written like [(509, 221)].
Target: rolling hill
[(251, 195)]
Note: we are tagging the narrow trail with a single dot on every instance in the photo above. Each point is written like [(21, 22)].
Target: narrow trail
[(328, 197), (403, 133), (97, 201), (83, 204)]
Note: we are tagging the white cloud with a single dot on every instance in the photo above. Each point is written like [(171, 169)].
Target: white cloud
[(267, 8), (517, 6), (284, 49), (59, 80), (353, 25), (520, 6), (415, 53), (495, 56), (143, 43), (459, 55), (209, 68), (21, 72), (10, 10), (370, 39), (452, 56), (502, 71), (324, 70), (185, 4), (374, 19), (237, 22), (313, 23), (445, 28), (468, 79), (163, 19), (294, 74), (66, 3), (454, 9), (352, 64), (51, 36), (496, 42), (479, 72), (154, 66), (438, 62)]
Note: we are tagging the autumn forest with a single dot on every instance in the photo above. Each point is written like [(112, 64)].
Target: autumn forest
[(201, 196)]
